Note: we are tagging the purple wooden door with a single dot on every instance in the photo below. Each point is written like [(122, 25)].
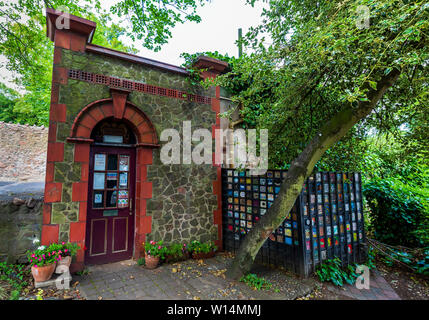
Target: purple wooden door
[(111, 203)]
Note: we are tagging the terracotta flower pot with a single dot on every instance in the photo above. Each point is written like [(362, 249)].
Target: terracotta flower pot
[(65, 261), (44, 273), (151, 262), (202, 255)]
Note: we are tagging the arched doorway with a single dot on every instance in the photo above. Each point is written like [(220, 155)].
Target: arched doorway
[(118, 131), (111, 193)]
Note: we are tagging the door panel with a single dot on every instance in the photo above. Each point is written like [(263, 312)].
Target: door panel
[(98, 242), (111, 194), (120, 235)]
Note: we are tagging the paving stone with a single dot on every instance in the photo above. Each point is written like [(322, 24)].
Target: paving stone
[(132, 282)]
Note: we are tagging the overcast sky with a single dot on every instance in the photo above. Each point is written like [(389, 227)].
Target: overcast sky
[(218, 30)]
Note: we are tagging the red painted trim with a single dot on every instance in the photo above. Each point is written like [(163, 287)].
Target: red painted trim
[(81, 129), (47, 210), (77, 231), (53, 192), (55, 152), (217, 184), (57, 112), (77, 24), (79, 140), (50, 234)]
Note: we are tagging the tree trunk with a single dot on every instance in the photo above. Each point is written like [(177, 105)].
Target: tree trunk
[(301, 167)]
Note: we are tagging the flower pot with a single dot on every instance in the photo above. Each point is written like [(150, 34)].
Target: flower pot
[(177, 258), (44, 273), (151, 262), (202, 255), (65, 261)]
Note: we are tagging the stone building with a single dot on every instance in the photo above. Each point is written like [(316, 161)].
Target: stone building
[(106, 188)]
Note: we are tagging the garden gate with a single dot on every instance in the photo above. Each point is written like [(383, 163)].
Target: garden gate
[(325, 221)]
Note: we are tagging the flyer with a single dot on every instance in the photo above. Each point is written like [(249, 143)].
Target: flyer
[(98, 181), (100, 162)]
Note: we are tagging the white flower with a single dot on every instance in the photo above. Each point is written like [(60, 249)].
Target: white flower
[(41, 248)]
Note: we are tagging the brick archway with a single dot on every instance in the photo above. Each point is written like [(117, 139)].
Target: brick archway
[(99, 110)]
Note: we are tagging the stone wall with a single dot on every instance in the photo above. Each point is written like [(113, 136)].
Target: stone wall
[(22, 152), (20, 224), (182, 203)]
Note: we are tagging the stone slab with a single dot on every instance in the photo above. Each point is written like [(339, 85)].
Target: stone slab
[(67, 278)]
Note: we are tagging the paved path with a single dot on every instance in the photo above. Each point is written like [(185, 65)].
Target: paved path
[(379, 289), (188, 280), (195, 280)]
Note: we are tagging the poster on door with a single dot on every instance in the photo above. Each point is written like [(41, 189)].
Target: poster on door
[(123, 199), (123, 163), (100, 162)]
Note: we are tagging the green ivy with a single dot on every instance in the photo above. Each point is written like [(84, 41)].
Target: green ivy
[(14, 276), (332, 270), (256, 282)]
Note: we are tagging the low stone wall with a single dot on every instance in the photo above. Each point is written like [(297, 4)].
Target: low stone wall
[(20, 224), (22, 152)]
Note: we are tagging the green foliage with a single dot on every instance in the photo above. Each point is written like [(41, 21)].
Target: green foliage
[(176, 251), (152, 19), (331, 270), (422, 266), (42, 257), (64, 248), (8, 99), (399, 212), (416, 259), (46, 255), (29, 52), (318, 62), (83, 272), (155, 249), (14, 275), (257, 283), (141, 261), (198, 247)]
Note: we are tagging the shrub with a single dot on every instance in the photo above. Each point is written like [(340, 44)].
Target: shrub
[(141, 261), (255, 282), (331, 270), (198, 247), (176, 252), (399, 213)]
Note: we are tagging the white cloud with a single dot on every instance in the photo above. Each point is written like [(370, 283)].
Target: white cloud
[(217, 31)]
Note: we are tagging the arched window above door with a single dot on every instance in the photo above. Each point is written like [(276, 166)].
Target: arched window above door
[(103, 110), (112, 131)]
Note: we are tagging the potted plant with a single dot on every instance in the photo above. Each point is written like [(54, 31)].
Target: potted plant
[(154, 251), (43, 262), (67, 251), (176, 252), (202, 250)]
